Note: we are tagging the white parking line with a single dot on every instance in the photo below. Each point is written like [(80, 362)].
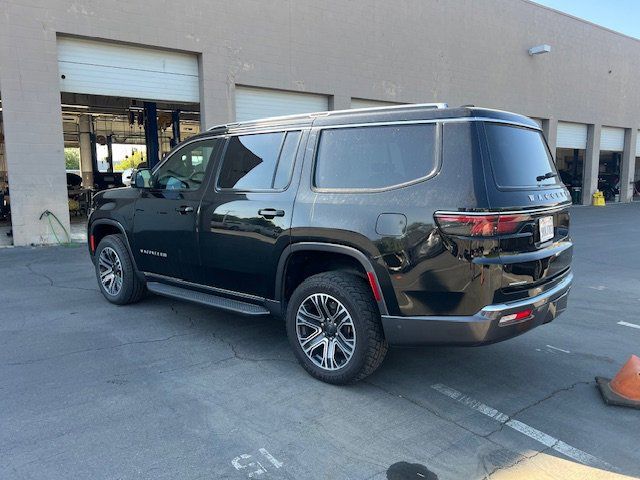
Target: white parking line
[(547, 440), (559, 349), (627, 324)]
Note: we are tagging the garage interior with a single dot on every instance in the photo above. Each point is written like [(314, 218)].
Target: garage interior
[(5, 209), (571, 148), (610, 162), (106, 137)]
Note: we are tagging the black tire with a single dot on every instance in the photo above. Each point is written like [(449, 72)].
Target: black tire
[(354, 293), (133, 287)]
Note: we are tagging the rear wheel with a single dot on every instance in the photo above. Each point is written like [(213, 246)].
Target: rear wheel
[(334, 327), (117, 278)]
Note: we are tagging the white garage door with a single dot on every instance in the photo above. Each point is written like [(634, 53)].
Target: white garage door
[(361, 103), (572, 135), (253, 103), (103, 68), (612, 139)]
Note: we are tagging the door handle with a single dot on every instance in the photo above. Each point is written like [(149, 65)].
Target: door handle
[(270, 212), (184, 209)]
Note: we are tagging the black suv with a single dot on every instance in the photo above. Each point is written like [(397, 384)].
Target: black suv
[(409, 225)]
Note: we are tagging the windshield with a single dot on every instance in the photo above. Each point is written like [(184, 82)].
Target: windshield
[(519, 157)]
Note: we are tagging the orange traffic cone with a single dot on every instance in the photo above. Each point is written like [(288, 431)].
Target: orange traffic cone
[(624, 389)]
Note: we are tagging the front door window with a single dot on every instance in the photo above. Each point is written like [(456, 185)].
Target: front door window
[(185, 169)]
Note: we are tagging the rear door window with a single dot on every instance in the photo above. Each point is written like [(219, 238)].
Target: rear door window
[(519, 157), (354, 158), (259, 162)]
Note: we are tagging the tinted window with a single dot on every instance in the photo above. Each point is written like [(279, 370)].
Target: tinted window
[(250, 161), (185, 168), (259, 162), (519, 156), (287, 157), (375, 157)]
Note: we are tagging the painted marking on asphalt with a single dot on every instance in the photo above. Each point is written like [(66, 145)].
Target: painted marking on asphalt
[(627, 324), (559, 349), (271, 458), (243, 461), (547, 440), (253, 467), (599, 288)]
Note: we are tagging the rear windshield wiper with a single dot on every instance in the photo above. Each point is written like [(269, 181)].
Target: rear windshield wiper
[(546, 175)]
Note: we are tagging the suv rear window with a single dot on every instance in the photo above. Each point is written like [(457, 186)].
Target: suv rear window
[(375, 157), (519, 156)]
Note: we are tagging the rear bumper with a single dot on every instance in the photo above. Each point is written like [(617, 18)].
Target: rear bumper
[(483, 327)]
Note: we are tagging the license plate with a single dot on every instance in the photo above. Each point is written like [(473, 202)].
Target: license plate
[(546, 228)]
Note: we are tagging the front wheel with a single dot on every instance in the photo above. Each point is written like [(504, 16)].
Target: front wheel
[(334, 327), (117, 278)]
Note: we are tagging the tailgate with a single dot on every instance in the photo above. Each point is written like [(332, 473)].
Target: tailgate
[(527, 257)]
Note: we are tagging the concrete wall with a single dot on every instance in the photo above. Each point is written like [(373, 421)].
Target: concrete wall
[(458, 51)]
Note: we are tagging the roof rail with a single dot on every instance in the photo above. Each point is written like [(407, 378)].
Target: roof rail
[(386, 107), (439, 105)]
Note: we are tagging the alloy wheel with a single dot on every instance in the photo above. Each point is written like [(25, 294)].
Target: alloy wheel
[(110, 270), (325, 331)]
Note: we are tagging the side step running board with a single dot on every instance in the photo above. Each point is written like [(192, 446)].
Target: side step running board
[(207, 299)]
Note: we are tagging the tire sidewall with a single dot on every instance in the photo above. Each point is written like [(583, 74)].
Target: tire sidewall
[(127, 272), (357, 361)]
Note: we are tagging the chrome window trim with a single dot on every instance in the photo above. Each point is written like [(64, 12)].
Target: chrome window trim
[(432, 173)]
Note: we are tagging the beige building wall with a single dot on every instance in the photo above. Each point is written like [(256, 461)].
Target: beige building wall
[(456, 51)]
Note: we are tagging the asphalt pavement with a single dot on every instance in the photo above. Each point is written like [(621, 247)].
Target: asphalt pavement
[(169, 390)]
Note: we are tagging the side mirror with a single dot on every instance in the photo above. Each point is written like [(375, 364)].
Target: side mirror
[(142, 178)]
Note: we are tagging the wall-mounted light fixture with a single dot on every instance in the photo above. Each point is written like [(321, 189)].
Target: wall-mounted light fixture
[(539, 49)]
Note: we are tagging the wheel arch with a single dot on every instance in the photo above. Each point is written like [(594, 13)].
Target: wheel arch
[(357, 258), (102, 227)]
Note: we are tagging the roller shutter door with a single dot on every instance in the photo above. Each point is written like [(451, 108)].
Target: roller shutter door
[(361, 103), (104, 68), (572, 135), (253, 103), (612, 139)]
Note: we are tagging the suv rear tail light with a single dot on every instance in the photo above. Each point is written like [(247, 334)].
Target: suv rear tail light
[(481, 225)]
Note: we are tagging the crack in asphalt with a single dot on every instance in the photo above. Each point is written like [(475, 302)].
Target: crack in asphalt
[(66, 354), (500, 427), (538, 402), (433, 412), (232, 346), (523, 458), (52, 283)]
